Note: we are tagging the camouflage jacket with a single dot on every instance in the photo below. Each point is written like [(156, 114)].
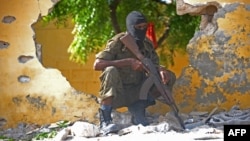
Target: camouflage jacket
[(116, 50)]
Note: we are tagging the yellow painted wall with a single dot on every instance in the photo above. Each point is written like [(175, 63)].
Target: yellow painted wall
[(218, 74), (55, 42), (44, 95)]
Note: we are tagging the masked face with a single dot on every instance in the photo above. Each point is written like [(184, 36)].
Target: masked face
[(136, 25)]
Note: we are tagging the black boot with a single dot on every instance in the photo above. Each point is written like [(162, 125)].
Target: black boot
[(138, 113), (106, 124)]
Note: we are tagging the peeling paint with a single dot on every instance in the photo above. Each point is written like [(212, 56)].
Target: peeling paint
[(228, 8), (53, 111), (36, 102), (2, 122), (247, 7), (218, 74), (221, 38), (17, 100)]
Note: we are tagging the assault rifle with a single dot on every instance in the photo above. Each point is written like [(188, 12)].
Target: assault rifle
[(153, 76)]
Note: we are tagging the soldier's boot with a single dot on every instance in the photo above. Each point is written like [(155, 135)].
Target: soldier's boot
[(106, 124), (138, 111)]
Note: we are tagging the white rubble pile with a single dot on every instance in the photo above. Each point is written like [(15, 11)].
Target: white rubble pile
[(199, 126)]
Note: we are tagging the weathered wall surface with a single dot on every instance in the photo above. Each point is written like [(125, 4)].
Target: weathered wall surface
[(29, 92), (219, 70)]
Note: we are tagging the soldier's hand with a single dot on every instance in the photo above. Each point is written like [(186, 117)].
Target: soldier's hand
[(136, 65), (165, 76)]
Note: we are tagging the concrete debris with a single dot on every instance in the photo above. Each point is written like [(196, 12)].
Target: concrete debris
[(209, 125), (84, 129), (62, 135)]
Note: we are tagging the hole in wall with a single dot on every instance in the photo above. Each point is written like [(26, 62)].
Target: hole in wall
[(8, 19), (3, 121), (24, 59), (39, 52), (23, 79), (52, 43), (4, 44)]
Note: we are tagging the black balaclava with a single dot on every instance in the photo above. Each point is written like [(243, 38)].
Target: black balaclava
[(133, 19)]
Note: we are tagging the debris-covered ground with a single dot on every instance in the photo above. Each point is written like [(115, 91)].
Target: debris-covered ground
[(199, 126)]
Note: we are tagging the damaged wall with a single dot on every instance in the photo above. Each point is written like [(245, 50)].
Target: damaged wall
[(55, 41), (219, 70), (29, 92), (217, 75)]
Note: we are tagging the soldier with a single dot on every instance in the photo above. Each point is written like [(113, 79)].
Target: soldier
[(123, 75)]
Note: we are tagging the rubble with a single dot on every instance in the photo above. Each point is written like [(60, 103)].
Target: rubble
[(199, 126)]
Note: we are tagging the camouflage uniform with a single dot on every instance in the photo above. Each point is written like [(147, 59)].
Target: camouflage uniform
[(124, 83)]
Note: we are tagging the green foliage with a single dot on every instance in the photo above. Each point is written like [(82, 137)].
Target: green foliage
[(51, 134), (93, 23), (63, 124), (45, 135), (92, 26), (6, 138), (181, 30)]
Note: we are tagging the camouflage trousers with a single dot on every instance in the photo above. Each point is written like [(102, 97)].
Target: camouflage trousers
[(124, 95)]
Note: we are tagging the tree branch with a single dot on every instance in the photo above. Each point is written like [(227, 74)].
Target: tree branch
[(112, 6), (163, 36)]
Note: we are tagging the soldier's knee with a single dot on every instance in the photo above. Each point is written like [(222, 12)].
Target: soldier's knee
[(172, 78), (111, 70)]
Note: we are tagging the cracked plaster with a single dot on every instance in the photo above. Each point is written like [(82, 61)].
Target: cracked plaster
[(29, 92), (218, 74)]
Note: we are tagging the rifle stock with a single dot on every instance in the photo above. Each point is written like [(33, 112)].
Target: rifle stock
[(153, 73)]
